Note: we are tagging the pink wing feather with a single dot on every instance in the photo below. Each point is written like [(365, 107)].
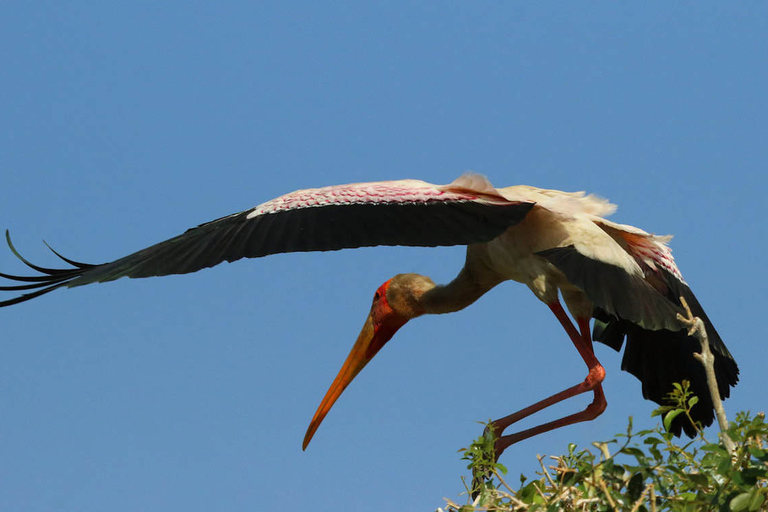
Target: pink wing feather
[(466, 188)]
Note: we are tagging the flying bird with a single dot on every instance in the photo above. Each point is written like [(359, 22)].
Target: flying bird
[(559, 244)]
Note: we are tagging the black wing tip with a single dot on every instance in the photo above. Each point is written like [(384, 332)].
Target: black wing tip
[(51, 278)]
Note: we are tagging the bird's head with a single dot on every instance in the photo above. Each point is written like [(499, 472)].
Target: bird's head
[(394, 303)]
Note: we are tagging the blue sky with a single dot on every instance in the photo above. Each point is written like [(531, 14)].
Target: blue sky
[(123, 124)]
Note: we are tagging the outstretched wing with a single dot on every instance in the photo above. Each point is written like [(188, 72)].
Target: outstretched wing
[(406, 212)]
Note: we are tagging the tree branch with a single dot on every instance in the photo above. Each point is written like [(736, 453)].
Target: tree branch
[(707, 359)]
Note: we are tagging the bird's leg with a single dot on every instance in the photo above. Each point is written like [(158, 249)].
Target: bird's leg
[(593, 382)]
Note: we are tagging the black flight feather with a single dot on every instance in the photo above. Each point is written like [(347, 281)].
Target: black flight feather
[(316, 228)]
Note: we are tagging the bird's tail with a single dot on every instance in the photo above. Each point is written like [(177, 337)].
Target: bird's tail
[(51, 279)]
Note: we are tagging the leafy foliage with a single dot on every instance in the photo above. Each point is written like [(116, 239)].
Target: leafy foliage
[(647, 471)]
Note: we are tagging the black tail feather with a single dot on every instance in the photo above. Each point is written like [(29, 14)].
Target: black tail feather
[(54, 278)]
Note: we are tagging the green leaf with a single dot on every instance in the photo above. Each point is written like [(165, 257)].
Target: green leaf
[(527, 493), (698, 479), (725, 466), (677, 471), (569, 478), (715, 448), (758, 453), (618, 471), (636, 452), (741, 502), (694, 474), (635, 486), (693, 401), (750, 475), (671, 416)]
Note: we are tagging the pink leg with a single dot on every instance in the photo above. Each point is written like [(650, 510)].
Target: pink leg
[(593, 382)]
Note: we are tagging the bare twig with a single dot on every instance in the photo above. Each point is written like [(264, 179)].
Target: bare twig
[(696, 329), (503, 482), (607, 493), (540, 492), (603, 447), (641, 499), (544, 470)]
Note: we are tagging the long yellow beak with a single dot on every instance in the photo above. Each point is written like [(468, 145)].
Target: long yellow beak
[(379, 328)]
